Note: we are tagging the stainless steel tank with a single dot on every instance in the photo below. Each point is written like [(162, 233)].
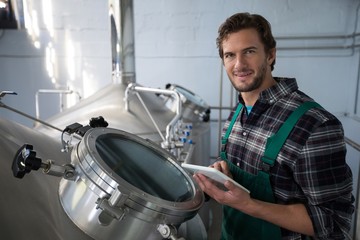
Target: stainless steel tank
[(107, 189), (147, 113), (154, 127), (144, 115), (30, 208), (175, 117), (116, 194)]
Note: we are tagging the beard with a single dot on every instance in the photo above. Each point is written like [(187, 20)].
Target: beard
[(255, 84)]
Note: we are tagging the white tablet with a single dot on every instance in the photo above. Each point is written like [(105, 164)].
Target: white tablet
[(212, 173)]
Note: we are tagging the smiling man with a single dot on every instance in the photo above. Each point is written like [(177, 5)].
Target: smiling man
[(280, 144)]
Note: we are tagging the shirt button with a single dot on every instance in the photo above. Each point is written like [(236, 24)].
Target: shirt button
[(244, 134)]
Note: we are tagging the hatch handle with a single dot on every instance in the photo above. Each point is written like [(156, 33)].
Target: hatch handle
[(26, 160)]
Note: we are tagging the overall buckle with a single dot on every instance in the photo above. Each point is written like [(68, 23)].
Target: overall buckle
[(265, 167)]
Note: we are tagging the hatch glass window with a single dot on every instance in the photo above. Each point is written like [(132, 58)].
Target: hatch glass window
[(144, 168)]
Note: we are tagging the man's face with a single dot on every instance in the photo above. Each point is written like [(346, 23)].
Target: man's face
[(245, 61)]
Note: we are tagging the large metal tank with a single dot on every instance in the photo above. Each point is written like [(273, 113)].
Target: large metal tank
[(30, 208), (174, 117), (168, 126), (133, 117), (148, 113), (101, 189)]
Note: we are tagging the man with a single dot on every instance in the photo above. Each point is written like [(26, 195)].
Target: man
[(300, 185)]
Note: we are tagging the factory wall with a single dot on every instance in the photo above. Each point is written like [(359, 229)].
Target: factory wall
[(65, 45)]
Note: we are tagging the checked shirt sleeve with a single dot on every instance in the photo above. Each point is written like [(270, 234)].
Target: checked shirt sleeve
[(326, 181)]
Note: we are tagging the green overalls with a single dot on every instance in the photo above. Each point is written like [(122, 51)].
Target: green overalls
[(237, 225)]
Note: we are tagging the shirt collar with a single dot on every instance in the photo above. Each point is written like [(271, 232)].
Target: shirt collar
[(283, 87)]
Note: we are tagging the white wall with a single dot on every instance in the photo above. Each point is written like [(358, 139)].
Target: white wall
[(175, 43)]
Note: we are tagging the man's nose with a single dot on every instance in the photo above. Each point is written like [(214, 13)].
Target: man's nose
[(239, 62)]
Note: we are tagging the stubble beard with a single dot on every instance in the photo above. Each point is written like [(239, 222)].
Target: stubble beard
[(256, 83)]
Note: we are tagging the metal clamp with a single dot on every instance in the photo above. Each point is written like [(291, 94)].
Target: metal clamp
[(168, 232), (112, 208)]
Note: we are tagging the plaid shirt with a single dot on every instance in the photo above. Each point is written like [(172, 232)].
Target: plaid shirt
[(310, 167)]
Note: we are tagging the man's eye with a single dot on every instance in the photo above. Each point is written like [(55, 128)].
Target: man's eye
[(250, 51)]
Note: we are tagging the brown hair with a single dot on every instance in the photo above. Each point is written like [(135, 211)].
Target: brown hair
[(241, 21)]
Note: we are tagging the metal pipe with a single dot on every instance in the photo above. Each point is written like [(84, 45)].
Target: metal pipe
[(150, 116), (220, 107), (122, 40), (332, 47), (352, 143), (28, 116), (358, 73), (176, 95), (309, 37), (220, 104), (52, 91), (172, 123), (357, 88), (345, 37)]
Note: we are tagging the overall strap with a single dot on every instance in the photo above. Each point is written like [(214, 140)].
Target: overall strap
[(228, 131), (275, 142)]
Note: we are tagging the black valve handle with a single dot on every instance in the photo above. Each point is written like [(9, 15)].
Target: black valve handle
[(24, 161), (98, 122)]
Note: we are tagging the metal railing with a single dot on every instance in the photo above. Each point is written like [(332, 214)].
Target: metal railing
[(53, 91)]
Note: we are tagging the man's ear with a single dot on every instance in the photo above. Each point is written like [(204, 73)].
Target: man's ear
[(271, 56)]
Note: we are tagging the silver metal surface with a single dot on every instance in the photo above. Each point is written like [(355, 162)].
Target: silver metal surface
[(30, 207), (135, 206), (178, 106), (53, 91), (97, 203), (122, 40), (109, 103), (33, 203), (195, 108)]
